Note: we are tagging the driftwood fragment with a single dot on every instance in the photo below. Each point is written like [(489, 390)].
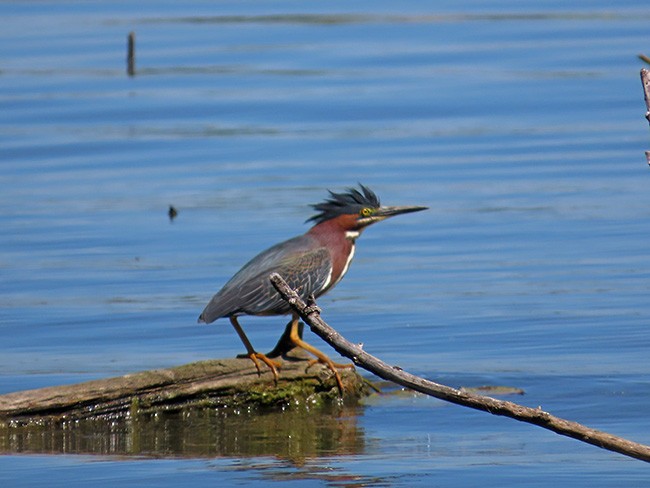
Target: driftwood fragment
[(310, 313), (206, 384)]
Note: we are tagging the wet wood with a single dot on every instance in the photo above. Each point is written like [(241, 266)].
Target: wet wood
[(310, 313), (206, 384)]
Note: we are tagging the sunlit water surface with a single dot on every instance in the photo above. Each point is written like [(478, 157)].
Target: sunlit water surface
[(519, 124)]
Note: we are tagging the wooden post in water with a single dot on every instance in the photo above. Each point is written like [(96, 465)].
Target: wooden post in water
[(130, 56)]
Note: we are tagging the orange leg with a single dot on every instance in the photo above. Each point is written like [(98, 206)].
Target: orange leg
[(322, 358), (252, 354), (311, 362)]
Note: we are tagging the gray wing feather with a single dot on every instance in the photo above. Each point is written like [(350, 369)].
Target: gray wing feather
[(305, 266)]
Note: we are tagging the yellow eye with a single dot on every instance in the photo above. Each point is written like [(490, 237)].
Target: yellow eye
[(366, 212)]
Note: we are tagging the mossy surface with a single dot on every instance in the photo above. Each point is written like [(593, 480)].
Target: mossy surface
[(214, 384)]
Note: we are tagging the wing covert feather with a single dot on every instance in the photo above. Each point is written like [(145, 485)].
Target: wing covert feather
[(304, 265)]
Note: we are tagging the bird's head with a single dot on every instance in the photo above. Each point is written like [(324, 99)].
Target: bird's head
[(356, 209)]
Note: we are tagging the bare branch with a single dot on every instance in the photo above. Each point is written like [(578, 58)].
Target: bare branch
[(645, 80), (536, 416)]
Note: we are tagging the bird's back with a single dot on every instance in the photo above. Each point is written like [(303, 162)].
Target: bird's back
[(304, 264)]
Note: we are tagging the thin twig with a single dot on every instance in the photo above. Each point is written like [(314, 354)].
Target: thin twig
[(536, 416), (645, 80)]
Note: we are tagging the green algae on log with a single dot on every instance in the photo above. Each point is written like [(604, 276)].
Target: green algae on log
[(205, 384)]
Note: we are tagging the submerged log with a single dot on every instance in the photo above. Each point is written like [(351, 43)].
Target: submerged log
[(205, 384)]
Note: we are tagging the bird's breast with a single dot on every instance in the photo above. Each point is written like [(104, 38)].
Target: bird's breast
[(346, 265), (341, 254), (340, 246)]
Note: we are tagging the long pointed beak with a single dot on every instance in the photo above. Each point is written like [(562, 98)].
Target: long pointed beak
[(385, 212)]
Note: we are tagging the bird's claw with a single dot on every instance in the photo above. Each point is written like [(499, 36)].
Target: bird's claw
[(336, 365), (311, 306), (256, 357), (332, 366)]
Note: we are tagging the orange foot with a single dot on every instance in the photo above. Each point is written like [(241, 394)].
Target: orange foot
[(256, 357)]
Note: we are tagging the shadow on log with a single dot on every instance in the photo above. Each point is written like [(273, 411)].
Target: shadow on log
[(218, 383)]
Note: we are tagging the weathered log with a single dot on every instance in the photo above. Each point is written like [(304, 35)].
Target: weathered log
[(205, 384)]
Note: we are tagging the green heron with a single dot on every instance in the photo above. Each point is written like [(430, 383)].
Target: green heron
[(311, 264)]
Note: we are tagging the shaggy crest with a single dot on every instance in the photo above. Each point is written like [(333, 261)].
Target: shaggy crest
[(348, 202)]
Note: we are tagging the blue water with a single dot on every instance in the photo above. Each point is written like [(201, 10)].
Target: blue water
[(520, 124)]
